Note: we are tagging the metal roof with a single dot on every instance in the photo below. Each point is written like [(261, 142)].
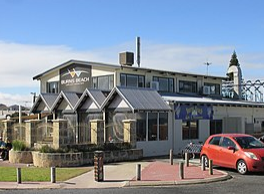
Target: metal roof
[(207, 100), (47, 98), (96, 96), (116, 66), (138, 99), (71, 98)]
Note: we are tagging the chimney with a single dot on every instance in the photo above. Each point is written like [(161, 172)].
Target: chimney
[(138, 51)]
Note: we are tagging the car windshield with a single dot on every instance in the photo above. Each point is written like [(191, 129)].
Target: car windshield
[(249, 142)]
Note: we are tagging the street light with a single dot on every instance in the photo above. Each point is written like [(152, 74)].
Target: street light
[(34, 96)]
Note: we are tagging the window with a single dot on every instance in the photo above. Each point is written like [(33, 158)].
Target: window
[(214, 88), (227, 142), (152, 126), (165, 84), (189, 130), (187, 87), (215, 140), (141, 127), (215, 127), (163, 126), (52, 87), (103, 82), (130, 80)]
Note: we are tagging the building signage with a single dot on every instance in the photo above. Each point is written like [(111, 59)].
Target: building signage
[(193, 112), (75, 78)]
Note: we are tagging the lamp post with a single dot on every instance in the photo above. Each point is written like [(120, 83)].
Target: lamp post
[(34, 96)]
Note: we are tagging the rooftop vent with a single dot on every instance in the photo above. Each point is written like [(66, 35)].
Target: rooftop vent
[(126, 58)]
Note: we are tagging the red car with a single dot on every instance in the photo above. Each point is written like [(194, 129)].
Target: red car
[(242, 152)]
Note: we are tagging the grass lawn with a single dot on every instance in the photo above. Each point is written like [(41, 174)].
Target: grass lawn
[(32, 174)]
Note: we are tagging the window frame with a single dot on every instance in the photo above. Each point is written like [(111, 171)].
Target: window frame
[(190, 130), (140, 80), (215, 91), (110, 80), (50, 89), (170, 83), (188, 86)]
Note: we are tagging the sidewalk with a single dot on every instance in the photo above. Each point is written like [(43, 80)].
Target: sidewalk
[(154, 172)]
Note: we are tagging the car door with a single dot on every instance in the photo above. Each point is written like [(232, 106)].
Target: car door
[(227, 156), (213, 149)]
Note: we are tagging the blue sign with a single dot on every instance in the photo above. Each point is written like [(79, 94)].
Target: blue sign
[(193, 112)]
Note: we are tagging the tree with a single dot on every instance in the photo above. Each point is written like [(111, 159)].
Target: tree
[(234, 60)]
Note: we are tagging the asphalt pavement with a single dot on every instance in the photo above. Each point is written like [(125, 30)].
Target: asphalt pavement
[(154, 172)]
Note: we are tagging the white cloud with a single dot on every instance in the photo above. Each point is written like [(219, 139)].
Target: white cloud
[(11, 99), (20, 63)]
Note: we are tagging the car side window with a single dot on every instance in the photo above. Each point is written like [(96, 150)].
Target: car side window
[(227, 143), (215, 140)]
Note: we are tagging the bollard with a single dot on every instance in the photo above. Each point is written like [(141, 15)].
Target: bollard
[(18, 175), (53, 174), (171, 156), (99, 166), (186, 159), (181, 170), (203, 163), (138, 170), (211, 167)]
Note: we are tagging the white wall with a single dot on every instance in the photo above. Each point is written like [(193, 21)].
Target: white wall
[(155, 148), (52, 77), (179, 143)]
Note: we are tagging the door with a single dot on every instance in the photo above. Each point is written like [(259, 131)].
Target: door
[(227, 156)]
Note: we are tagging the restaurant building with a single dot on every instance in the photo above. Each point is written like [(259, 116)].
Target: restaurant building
[(169, 109)]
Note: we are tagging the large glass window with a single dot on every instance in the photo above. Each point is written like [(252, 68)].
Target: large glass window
[(141, 126), (165, 84), (103, 82), (163, 126), (214, 88), (215, 127), (152, 126), (187, 87), (52, 87), (130, 80), (190, 130)]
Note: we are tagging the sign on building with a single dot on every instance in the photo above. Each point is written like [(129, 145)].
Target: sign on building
[(75, 78)]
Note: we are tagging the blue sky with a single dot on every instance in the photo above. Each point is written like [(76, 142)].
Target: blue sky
[(176, 35)]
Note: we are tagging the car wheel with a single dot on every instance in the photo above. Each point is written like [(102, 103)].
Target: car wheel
[(242, 167), (206, 161)]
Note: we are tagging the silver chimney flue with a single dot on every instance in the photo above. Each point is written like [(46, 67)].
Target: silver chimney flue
[(138, 51)]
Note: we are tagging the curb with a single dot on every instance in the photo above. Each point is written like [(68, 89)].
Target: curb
[(224, 177)]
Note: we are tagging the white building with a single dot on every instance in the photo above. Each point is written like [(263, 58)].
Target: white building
[(170, 108)]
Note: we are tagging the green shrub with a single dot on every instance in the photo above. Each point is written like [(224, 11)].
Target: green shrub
[(47, 149), (19, 145)]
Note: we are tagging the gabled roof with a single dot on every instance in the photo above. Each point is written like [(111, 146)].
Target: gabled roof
[(46, 100), (71, 99), (96, 100), (115, 66), (67, 63), (135, 99)]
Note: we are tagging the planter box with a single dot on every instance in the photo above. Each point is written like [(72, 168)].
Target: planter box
[(57, 159), (24, 157), (74, 159)]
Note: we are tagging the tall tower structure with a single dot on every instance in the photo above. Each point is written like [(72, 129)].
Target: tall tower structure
[(235, 75)]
